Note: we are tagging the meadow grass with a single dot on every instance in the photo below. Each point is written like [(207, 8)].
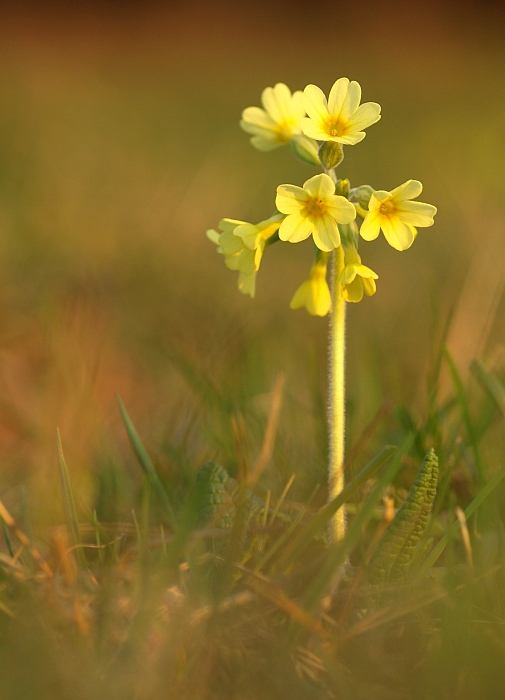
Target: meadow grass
[(111, 584)]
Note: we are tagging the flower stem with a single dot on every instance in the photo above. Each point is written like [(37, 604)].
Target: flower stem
[(336, 393)]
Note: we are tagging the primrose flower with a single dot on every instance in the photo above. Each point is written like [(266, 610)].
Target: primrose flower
[(275, 125), (396, 215), (314, 293), (356, 278), (314, 209), (243, 245), (340, 118)]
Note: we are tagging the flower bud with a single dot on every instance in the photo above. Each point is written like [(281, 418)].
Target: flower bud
[(361, 195), (342, 188), (305, 149), (331, 154)]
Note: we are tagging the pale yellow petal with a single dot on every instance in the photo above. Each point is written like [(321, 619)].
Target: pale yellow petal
[(266, 143), (316, 105), (325, 232), (341, 209), (369, 286), (377, 198), (350, 139), (295, 228), (337, 96), (247, 283), (290, 198), (320, 186), (352, 100), (249, 235), (366, 272), (416, 213), (246, 260), (258, 117), (298, 105), (230, 243), (398, 235), (409, 190), (270, 103), (213, 236), (230, 224), (348, 274), (366, 115), (354, 291), (314, 130), (370, 227)]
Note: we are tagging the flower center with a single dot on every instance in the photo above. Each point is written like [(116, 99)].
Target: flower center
[(386, 208), (316, 207), (335, 128), (284, 131)]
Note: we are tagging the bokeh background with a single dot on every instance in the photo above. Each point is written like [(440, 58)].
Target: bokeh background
[(120, 146)]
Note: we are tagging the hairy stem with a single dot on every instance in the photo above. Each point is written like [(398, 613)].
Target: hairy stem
[(336, 395)]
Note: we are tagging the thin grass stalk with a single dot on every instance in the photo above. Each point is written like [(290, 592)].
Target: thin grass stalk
[(336, 396)]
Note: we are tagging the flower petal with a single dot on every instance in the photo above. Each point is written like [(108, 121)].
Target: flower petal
[(352, 100), (270, 101), (258, 117), (399, 235), (290, 198), (366, 115), (337, 96), (320, 186), (295, 228), (266, 143), (247, 283), (316, 105), (230, 243), (370, 227), (213, 236), (348, 274), (341, 209), (369, 286), (313, 130), (366, 272), (353, 291), (416, 213), (409, 190), (325, 232)]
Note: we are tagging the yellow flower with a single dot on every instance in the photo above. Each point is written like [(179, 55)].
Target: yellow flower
[(396, 215), (314, 209), (314, 293), (340, 118), (243, 245), (356, 278), (278, 122)]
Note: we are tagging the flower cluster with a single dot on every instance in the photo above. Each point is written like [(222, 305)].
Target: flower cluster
[(325, 207)]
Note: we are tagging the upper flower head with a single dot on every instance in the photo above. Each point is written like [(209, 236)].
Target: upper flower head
[(356, 278), (278, 122), (314, 209), (243, 245), (396, 215), (340, 118), (314, 293)]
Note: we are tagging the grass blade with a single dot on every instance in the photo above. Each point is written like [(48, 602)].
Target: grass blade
[(319, 521), (146, 463), (69, 504), (338, 552)]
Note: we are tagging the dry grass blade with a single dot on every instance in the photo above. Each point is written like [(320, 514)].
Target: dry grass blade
[(271, 429), (37, 557)]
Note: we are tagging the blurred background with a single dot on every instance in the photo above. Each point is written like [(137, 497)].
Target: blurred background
[(120, 146)]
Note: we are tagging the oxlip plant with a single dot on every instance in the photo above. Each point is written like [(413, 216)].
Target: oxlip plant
[(336, 215)]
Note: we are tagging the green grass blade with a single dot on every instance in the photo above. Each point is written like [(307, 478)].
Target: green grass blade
[(146, 463), (69, 504), (338, 552), (470, 428), (469, 511), (490, 383), (319, 521)]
